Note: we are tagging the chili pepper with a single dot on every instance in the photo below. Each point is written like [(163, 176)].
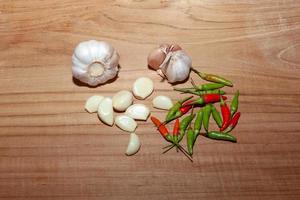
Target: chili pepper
[(174, 110), (225, 115), (234, 103), (190, 140), (187, 102), (221, 136), (212, 98), (216, 115), (195, 92), (198, 124), (184, 124), (234, 121), (213, 78), (162, 129), (209, 86), (176, 130), (185, 109), (207, 98), (206, 116)]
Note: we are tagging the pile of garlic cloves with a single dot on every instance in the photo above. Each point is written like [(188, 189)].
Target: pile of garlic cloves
[(123, 101)]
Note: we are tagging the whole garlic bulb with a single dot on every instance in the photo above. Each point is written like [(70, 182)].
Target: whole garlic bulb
[(95, 62), (171, 62)]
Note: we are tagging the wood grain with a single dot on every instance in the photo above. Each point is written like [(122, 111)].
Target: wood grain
[(50, 148)]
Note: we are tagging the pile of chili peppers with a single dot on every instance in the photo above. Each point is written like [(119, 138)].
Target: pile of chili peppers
[(208, 95)]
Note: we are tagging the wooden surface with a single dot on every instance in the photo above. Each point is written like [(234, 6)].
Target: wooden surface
[(50, 148)]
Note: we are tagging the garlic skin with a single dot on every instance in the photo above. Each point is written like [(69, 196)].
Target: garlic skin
[(94, 62), (92, 103), (162, 102), (105, 111), (134, 144), (125, 123), (138, 112), (176, 63)]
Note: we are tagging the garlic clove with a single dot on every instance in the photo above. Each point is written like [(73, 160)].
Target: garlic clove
[(162, 102), (134, 144), (156, 58), (105, 111), (142, 87), (174, 47), (122, 100), (126, 123), (92, 103), (94, 62), (138, 112), (178, 67)]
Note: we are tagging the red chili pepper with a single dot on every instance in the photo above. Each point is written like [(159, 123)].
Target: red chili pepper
[(233, 122), (176, 128), (212, 98), (225, 115), (185, 109), (205, 99), (188, 102), (161, 128)]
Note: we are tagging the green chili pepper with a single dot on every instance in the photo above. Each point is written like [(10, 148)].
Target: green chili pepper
[(198, 124), (190, 140), (210, 86), (234, 103), (174, 110), (221, 136), (206, 116), (213, 78), (216, 91), (184, 124), (217, 116)]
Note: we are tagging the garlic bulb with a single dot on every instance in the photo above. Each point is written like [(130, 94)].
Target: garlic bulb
[(95, 62), (171, 62)]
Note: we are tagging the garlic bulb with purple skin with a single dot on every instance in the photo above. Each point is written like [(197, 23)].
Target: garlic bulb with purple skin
[(171, 62), (95, 62)]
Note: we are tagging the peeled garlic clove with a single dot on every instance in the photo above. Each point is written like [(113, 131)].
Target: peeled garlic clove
[(142, 87), (162, 102), (94, 62), (92, 103), (178, 67), (126, 123), (105, 111), (122, 100), (138, 111), (133, 145)]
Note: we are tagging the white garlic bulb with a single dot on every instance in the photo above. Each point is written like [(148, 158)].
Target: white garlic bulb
[(171, 62), (95, 62)]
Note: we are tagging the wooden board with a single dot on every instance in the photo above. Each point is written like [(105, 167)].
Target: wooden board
[(50, 148)]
